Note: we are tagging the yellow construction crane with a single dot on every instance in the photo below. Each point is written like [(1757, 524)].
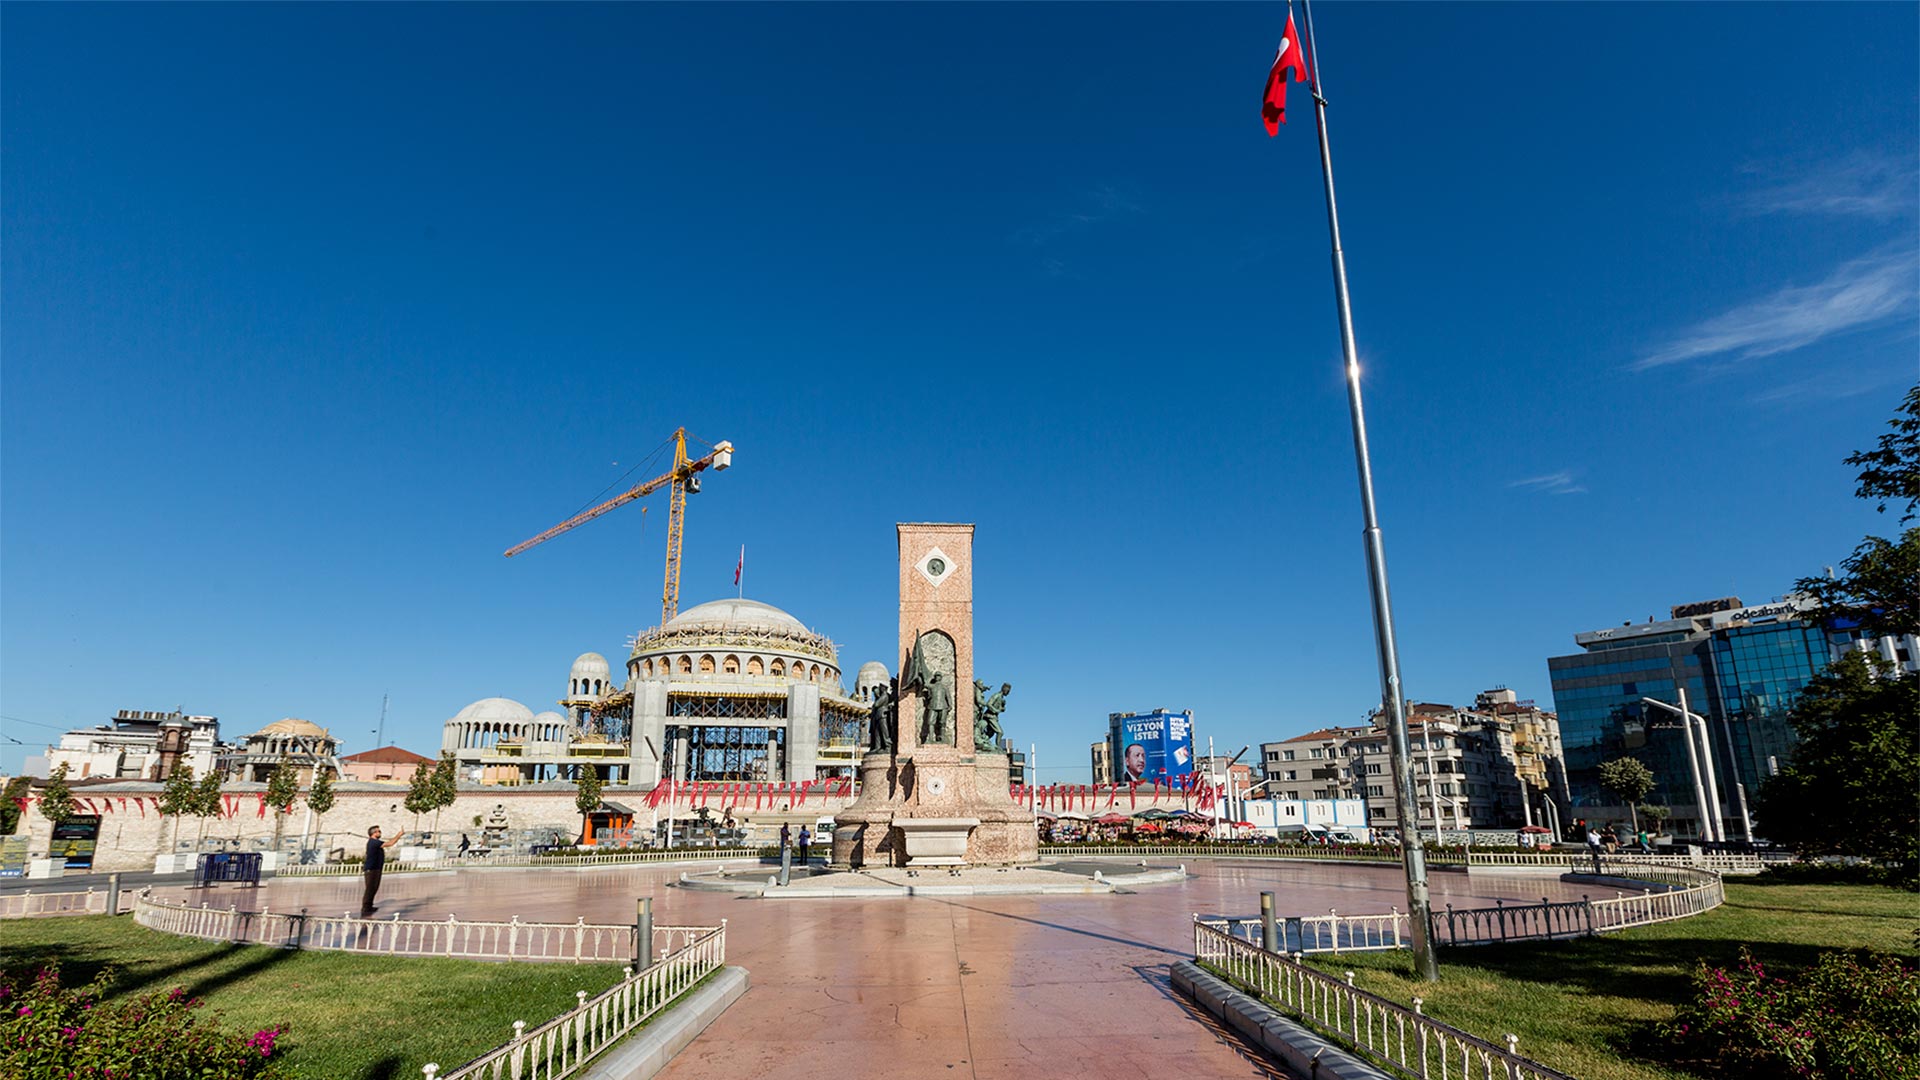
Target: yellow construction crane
[(685, 478)]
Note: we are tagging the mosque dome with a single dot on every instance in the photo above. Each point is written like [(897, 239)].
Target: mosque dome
[(494, 710), (549, 717), (736, 614), (590, 665), (738, 638), (293, 726)]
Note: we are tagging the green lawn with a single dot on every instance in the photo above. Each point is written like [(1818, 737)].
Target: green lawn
[(1588, 1007), (351, 1017)]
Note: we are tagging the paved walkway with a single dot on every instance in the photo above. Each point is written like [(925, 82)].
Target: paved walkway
[(903, 989)]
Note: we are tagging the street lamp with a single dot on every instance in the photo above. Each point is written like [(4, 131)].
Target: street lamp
[(1706, 790)]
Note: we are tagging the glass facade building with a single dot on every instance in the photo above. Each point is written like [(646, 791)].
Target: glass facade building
[(1742, 668)]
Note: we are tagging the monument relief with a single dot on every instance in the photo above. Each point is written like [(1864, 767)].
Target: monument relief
[(934, 783)]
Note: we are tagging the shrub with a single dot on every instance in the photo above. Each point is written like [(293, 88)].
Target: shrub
[(1853, 1016), (1838, 873), (51, 1032)]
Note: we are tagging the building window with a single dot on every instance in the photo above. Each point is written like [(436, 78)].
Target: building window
[(1293, 774), (731, 665), (1376, 791), (755, 667), (686, 665), (1286, 755), (1316, 752), (779, 667), (706, 665)]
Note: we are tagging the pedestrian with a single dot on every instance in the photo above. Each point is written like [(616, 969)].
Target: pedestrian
[(1612, 840), (1593, 840), (376, 860), (464, 844), (806, 840), (786, 836)]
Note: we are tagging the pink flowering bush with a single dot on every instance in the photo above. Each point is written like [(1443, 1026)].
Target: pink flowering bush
[(51, 1032), (1851, 1017)]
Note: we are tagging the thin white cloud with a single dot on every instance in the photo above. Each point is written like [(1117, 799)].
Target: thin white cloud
[(1556, 483), (1857, 294), (1859, 185), (1103, 203)]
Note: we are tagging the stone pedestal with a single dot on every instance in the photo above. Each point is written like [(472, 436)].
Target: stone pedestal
[(910, 799)]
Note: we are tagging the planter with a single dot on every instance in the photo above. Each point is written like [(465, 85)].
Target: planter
[(936, 841)]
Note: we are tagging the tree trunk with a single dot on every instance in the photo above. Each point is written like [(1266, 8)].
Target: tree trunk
[(1634, 809)]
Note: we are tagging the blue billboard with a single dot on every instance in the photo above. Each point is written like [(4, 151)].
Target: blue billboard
[(1151, 746)]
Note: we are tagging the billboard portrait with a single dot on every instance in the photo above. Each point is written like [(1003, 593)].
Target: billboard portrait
[(1152, 746)]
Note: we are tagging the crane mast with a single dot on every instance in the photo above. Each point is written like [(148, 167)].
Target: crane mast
[(682, 480)]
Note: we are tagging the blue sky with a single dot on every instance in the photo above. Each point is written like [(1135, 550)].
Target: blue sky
[(311, 311)]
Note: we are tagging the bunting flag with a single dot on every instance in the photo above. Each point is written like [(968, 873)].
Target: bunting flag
[(262, 812), (1113, 794), (1133, 794), (140, 805), (123, 803)]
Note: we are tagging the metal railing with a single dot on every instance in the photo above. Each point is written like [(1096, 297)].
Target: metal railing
[(565, 1044), (1392, 1034), (576, 942), (1575, 860), (558, 861), (1684, 893), (1329, 933), (1250, 851), (27, 904)]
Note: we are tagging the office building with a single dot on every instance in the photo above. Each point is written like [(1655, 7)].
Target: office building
[(1740, 667)]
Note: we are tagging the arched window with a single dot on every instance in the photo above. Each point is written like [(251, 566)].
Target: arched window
[(816, 673), (731, 665), (646, 669), (779, 666), (686, 666), (706, 665), (755, 667), (597, 684)]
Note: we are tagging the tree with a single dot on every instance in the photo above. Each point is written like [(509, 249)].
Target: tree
[(446, 787), (17, 790), (1890, 472), (1849, 787), (283, 787), (56, 799), (586, 791), (1630, 780), (1656, 813), (179, 797), (1879, 595), (320, 798), (206, 801), (421, 797)]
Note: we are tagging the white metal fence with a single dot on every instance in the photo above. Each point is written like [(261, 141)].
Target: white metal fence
[(577, 942), (482, 862), (562, 1046), (22, 905), (1685, 892), (1386, 1031)]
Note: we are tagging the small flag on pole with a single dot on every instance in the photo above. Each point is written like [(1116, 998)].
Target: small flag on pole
[(1291, 56), (741, 565)]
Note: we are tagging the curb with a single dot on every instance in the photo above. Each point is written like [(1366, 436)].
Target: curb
[(646, 1053), (1299, 1049)]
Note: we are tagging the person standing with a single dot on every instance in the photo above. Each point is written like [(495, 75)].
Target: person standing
[(376, 861), (786, 835), (806, 841), (464, 844)]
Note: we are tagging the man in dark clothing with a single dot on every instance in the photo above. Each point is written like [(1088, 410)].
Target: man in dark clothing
[(786, 835), (376, 861), (806, 841)]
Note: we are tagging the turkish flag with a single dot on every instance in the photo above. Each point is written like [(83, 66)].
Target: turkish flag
[(1291, 56)]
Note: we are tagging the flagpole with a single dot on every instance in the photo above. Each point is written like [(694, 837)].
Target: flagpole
[(1413, 858)]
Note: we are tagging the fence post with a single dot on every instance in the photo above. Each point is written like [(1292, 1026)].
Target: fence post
[(113, 893), (1269, 930), (450, 928), (1586, 905), (642, 931), (430, 1070)]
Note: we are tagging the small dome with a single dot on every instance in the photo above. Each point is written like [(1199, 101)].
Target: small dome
[(735, 614), (494, 710), (294, 726), (550, 719), (590, 665)]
